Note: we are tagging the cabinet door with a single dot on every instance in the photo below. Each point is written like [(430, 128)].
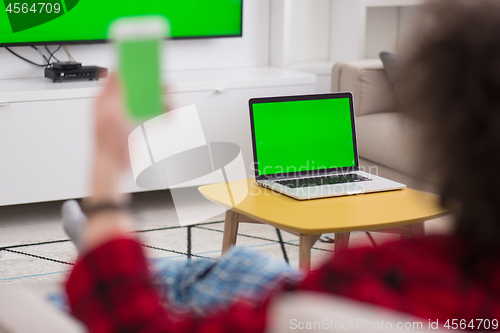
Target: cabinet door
[(44, 150), (225, 115), (46, 146)]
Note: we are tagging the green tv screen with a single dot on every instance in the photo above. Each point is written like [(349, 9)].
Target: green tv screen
[(299, 136), (79, 21)]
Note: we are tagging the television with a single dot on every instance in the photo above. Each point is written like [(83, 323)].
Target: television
[(34, 22)]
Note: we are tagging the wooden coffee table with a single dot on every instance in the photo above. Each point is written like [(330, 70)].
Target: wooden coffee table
[(402, 212)]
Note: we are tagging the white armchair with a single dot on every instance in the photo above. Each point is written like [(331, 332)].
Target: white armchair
[(386, 138)]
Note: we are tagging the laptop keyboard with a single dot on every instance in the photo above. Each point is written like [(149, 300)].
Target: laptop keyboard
[(325, 180)]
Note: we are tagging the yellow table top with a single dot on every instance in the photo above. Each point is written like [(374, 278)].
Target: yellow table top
[(336, 214)]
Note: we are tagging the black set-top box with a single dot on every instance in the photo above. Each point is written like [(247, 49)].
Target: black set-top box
[(71, 73)]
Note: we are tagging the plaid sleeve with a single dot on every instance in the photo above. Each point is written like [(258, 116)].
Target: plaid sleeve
[(110, 290)]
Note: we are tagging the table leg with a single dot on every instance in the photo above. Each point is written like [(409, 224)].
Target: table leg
[(417, 229), (306, 242), (341, 241), (230, 230)]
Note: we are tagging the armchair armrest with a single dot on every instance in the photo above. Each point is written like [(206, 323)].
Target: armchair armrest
[(372, 90)]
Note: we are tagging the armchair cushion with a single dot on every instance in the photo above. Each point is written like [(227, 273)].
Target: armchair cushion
[(392, 64), (368, 81), (389, 139)]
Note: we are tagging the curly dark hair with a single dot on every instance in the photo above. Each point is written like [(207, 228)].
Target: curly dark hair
[(453, 86)]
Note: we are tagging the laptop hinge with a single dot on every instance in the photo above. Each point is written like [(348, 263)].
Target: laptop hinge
[(308, 174)]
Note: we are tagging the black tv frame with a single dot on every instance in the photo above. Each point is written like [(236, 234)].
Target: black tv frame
[(103, 41)]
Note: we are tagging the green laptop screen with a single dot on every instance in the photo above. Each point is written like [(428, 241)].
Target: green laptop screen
[(299, 136)]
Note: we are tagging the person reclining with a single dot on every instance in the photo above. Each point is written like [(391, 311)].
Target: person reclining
[(453, 87)]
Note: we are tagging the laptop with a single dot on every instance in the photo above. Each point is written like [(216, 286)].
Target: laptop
[(304, 146)]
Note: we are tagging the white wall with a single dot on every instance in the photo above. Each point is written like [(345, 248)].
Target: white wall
[(382, 29), (310, 30), (386, 29), (389, 28), (250, 50)]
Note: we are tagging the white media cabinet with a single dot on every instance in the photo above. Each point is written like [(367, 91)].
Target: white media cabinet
[(46, 128)]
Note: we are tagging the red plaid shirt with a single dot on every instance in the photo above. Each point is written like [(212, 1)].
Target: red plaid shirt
[(110, 288)]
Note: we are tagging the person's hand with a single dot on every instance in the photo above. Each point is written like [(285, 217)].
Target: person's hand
[(111, 126), (111, 158), (111, 142)]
